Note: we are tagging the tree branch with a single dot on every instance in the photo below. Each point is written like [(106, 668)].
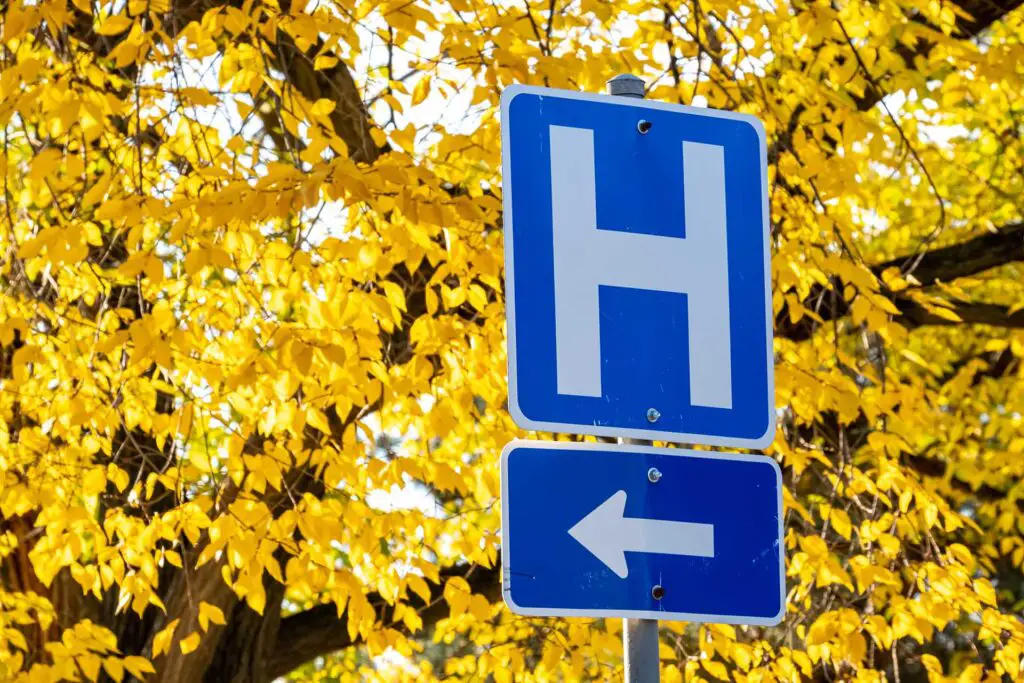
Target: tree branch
[(983, 13), (915, 315), (976, 255), (945, 264), (319, 630), (350, 119)]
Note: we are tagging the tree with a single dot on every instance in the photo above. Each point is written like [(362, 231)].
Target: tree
[(252, 358)]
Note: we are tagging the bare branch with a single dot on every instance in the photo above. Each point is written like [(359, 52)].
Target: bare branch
[(942, 264), (319, 630)]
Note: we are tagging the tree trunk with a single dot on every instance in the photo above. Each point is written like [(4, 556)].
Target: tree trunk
[(246, 646)]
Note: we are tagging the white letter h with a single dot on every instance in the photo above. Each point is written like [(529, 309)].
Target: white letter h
[(586, 257)]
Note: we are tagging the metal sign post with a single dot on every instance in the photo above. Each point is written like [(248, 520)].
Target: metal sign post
[(639, 636), (640, 650), (638, 298)]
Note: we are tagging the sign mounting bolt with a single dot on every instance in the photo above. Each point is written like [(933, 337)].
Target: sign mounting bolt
[(653, 415), (643, 126), (654, 475), (658, 592)]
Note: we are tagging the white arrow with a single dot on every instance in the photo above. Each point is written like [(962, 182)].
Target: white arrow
[(608, 534)]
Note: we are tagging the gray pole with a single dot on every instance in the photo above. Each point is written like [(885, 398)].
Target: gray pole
[(640, 649), (639, 636)]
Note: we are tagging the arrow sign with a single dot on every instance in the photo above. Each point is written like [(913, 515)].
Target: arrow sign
[(609, 535), (587, 532)]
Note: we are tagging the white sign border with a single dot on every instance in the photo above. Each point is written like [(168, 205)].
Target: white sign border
[(518, 416), (582, 449)]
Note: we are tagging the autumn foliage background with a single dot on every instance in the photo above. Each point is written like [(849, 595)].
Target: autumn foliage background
[(252, 351)]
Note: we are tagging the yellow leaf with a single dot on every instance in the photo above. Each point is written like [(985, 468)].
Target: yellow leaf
[(890, 544), (114, 668), (394, 294), (17, 639), (257, 599), (457, 593), (479, 607), (210, 613), (90, 665), (317, 418), (368, 255), (138, 667), (945, 313), (856, 648), (111, 26), (190, 643), (198, 97), (95, 481), (421, 91), (477, 297), (162, 640), (973, 674), (118, 476), (323, 107), (405, 138), (985, 592), (841, 522), (419, 587), (324, 62), (932, 664), (716, 669)]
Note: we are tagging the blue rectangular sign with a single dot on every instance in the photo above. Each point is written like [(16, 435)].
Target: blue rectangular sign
[(651, 533), (636, 264)]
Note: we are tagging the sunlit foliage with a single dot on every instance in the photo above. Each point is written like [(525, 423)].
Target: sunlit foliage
[(252, 351)]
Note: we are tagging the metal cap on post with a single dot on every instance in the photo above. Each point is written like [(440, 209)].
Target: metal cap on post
[(627, 85)]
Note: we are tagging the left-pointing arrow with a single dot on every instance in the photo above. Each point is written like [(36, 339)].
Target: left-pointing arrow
[(608, 534)]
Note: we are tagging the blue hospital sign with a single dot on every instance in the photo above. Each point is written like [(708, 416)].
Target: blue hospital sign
[(637, 281)]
